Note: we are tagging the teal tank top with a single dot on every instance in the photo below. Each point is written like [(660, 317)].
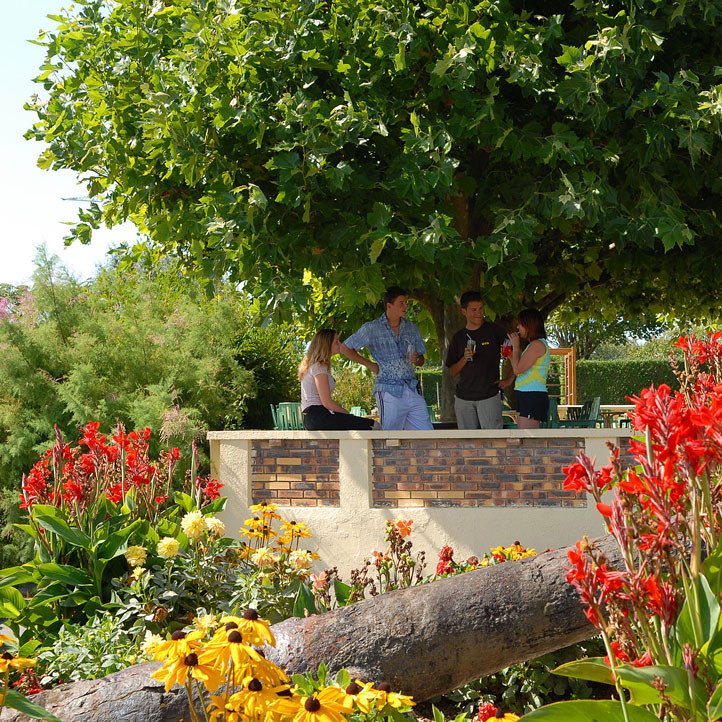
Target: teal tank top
[(535, 378)]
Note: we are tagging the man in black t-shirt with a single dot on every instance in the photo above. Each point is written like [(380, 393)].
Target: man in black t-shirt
[(474, 355)]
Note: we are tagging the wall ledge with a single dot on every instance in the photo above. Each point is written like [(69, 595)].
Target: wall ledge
[(247, 435)]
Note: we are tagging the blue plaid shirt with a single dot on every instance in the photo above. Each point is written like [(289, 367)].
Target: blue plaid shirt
[(390, 353)]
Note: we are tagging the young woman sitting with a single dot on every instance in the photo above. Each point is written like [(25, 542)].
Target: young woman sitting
[(320, 411)]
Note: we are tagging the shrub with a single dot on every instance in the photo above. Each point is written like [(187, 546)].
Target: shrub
[(354, 387), (613, 381), (272, 354)]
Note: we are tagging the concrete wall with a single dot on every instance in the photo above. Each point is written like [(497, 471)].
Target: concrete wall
[(469, 489)]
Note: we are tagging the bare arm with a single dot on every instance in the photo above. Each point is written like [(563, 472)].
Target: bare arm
[(455, 369), (354, 355), (534, 350), (324, 391)]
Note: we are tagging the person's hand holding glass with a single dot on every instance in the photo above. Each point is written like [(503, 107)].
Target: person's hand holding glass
[(411, 353), (470, 350)]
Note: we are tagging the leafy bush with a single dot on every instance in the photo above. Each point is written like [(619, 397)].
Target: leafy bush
[(88, 651), (613, 381), (272, 354), (354, 387), (523, 687)]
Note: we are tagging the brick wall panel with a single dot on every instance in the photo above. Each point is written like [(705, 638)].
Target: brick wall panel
[(295, 472), (474, 472)]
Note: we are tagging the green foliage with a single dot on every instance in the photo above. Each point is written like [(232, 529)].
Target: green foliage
[(136, 347), (320, 150), (529, 685), (16, 547), (613, 381), (354, 387), (87, 651), (272, 353)]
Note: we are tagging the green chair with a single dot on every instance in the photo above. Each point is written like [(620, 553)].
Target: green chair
[(432, 413), (587, 418), (359, 411), (289, 416), (552, 421), (274, 416)]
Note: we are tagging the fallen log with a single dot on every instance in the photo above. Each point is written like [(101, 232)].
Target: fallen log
[(424, 641)]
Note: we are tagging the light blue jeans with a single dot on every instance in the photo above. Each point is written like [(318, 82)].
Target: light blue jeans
[(407, 412)]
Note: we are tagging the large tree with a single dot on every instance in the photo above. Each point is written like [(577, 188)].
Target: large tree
[(320, 149)]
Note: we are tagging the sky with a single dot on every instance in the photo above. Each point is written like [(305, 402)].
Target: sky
[(32, 209)]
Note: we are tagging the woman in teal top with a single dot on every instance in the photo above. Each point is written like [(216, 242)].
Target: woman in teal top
[(530, 389)]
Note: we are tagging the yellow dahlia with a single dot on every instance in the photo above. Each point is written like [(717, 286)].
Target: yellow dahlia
[(216, 527), (168, 547), (300, 559), (136, 556), (193, 525)]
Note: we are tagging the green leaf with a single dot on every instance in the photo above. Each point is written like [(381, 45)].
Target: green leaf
[(714, 706), (590, 711), (17, 575), (185, 501), (58, 526), (11, 602), (65, 573), (712, 569), (305, 602), (342, 592), (116, 543), (438, 714), (706, 617), (17, 701), (592, 669), (215, 506)]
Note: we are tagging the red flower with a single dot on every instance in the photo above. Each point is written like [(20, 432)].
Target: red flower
[(443, 567), (619, 654), (446, 554), (486, 712)]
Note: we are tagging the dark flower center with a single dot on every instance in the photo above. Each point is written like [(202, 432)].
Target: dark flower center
[(178, 635), (292, 523), (353, 688), (284, 693), (312, 705), (235, 636), (7, 655), (383, 687), (250, 614), (263, 503), (231, 625), (255, 685), (191, 660)]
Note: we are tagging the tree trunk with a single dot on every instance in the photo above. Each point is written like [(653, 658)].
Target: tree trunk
[(425, 641), (448, 320)]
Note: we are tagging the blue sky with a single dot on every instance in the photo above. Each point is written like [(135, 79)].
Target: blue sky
[(32, 211)]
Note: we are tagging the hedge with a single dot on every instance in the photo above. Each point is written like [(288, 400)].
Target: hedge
[(613, 381)]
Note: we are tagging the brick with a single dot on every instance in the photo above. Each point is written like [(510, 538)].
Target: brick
[(277, 485), (288, 460), (397, 495), (410, 503), (451, 495)]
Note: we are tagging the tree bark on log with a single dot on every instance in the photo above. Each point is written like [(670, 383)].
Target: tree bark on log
[(425, 641)]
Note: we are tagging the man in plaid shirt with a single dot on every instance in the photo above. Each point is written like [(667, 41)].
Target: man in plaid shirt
[(396, 346)]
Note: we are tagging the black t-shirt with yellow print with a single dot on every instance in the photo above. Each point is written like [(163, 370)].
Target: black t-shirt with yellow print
[(477, 379)]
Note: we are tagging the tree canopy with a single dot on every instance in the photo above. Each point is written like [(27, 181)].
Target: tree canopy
[(320, 149)]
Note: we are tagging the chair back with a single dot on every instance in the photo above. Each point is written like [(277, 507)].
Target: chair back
[(274, 416), (552, 421), (289, 415), (359, 411)]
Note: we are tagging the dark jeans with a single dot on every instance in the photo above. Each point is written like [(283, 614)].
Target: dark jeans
[(319, 418)]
